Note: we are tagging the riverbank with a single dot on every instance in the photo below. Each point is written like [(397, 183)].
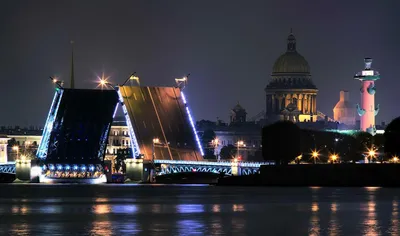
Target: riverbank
[(338, 175)]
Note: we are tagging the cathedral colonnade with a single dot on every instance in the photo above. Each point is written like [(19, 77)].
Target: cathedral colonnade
[(306, 103)]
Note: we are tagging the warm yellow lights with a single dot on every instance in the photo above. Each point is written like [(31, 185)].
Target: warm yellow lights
[(15, 148), (315, 154), (334, 157), (240, 143), (156, 140), (395, 159), (23, 157), (371, 153), (103, 82)]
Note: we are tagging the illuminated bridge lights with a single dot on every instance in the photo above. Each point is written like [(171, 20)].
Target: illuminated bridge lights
[(7, 168), (44, 142), (134, 143), (207, 163), (192, 124)]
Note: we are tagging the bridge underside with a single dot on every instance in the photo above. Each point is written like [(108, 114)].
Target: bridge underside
[(76, 131), (160, 113)]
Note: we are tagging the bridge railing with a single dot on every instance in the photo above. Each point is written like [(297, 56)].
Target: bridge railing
[(211, 163)]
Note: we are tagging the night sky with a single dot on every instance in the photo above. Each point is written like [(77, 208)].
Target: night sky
[(228, 47)]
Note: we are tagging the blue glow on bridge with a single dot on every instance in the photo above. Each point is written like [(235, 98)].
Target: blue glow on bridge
[(191, 122)]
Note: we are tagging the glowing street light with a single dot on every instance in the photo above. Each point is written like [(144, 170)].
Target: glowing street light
[(215, 142), (132, 77), (56, 81), (334, 157), (16, 148), (239, 143), (395, 159), (371, 154), (181, 82), (315, 155), (155, 141)]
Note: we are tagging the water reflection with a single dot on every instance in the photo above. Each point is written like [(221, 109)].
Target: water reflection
[(394, 226), (101, 225), (50, 209), (101, 228), (124, 209), (238, 207), (370, 223), (334, 226), (314, 225), (216, 208), (20, 210), (189, 227), (20, 229), (190, 208), (101, 209)]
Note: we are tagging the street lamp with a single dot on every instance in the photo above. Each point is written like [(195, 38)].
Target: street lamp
[(105, 83), (371, 154), (334, 157), (16, 148), (56, 82), (132, 77), (215, 142), (395, 159), (181, 82), (315, 155), (155, 141), (239, 143)]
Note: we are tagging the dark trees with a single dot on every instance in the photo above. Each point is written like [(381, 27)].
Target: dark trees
[(392, 138), (281, 142)]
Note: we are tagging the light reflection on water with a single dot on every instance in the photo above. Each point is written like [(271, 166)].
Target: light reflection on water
[(204, 211)]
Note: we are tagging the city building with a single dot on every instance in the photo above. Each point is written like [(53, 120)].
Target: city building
[(291, 93), (344, 112), (244, 135)]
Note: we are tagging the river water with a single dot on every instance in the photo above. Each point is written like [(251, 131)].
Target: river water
[(33, 209)]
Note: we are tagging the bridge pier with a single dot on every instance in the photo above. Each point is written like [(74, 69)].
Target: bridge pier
[(236, 170), (27, 170), (138, 170)]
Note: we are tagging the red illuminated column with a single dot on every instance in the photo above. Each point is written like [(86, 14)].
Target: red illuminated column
[(368, 104)]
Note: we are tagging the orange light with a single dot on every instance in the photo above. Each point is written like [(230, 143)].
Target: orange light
[(156, 140), (395, 159), (315, 154)]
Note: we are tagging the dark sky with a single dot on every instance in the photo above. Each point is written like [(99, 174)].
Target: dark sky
[(228, 47)]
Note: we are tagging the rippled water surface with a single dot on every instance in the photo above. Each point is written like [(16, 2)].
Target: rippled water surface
[(196, 210)]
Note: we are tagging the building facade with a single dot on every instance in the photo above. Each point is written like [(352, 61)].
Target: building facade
[(344, 111), (291, 93)]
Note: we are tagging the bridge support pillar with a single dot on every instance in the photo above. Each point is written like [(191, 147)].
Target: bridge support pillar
[(137, 170), (3, 150), (236, 170), (27, 170)]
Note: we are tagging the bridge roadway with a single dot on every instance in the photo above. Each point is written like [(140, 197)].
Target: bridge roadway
[(178, 166)]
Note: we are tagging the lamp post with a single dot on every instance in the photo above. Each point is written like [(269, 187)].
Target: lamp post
[(215, 142), (334, 157), (16, 148), (132, 77), (371, 154), (315, 155), (239, 143), (155, 141)]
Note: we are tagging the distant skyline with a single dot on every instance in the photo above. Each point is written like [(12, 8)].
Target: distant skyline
[(228, 47)]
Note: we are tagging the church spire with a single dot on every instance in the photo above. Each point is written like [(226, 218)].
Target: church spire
[(291, 42), (72, 83)]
